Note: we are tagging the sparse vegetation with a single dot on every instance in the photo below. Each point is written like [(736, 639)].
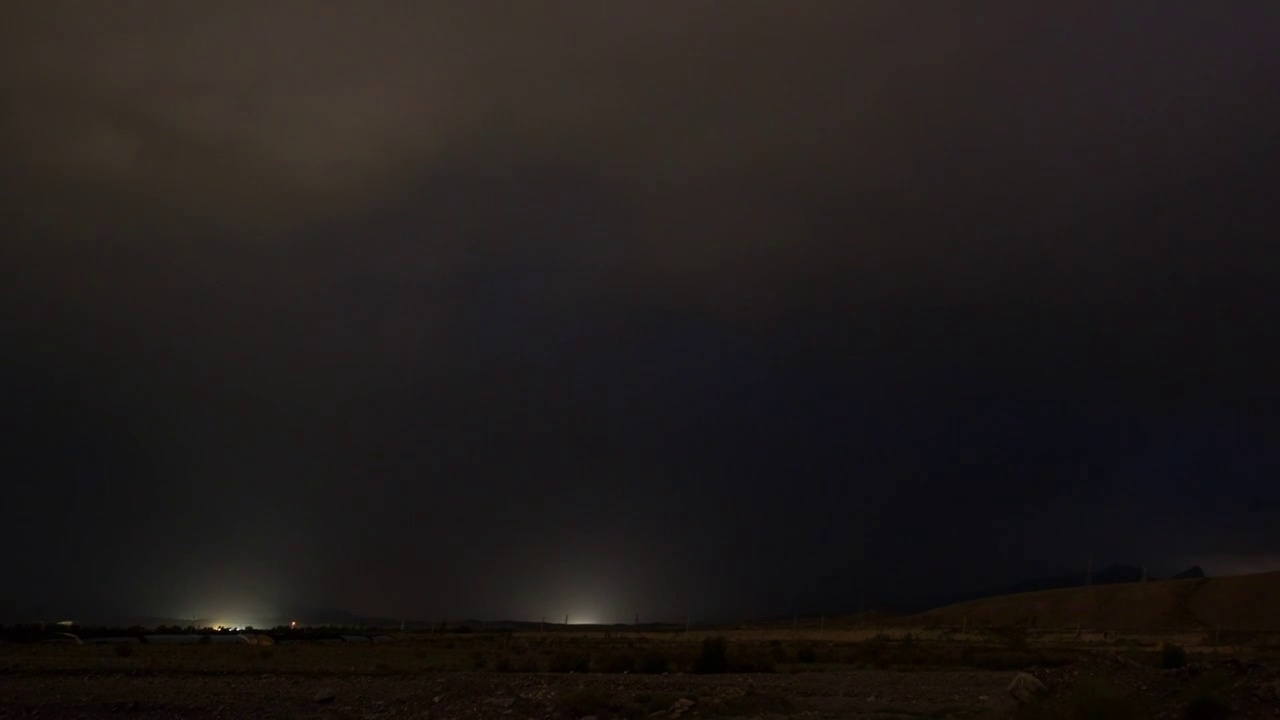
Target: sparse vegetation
[(1173, 656), (871, 652), (568, 660), (1209, 696), (1194, 692), (1014, 637), (654, 662), (618, 662), (713, 658), (1099, 700)]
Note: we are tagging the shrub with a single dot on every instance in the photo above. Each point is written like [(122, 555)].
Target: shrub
[(753, 662), (267, 652), (713, 658), (566, 661), (778, 653), (124, 650), (478, 660), (1015, 637), (1173, 656), (653, 662), (502, 663), (1097, 700), (873, 651), (618, 663), (1209, 696), (806, 655)]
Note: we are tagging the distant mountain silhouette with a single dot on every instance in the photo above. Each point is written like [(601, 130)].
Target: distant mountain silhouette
[(1192, 572), (309, 616), (1107, 576)]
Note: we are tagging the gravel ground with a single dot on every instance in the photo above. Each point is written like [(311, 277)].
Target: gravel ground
[(489, 695), (1094, 686)]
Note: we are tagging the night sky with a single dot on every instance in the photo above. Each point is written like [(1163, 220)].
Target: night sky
[(678, 307)]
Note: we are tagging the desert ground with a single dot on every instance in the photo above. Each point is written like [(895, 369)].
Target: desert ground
[(877, 672), (1196, 649)]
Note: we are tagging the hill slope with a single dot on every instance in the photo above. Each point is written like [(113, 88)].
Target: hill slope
[(1106, 576), (1242, 602)]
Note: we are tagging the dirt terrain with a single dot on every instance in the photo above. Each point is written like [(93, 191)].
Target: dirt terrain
[(1097, 686), (490, 695), (884, 673)]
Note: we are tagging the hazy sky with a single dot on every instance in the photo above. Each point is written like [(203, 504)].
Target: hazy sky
[(726, 308)]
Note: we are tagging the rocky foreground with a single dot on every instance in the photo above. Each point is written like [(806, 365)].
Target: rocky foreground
[(1112, 686), (491, 695), (1109, 687)]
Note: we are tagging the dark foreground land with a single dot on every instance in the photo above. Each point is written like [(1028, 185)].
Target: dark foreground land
[(870, 674), (488, 695)]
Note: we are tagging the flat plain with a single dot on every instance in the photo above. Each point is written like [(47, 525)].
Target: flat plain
[(1195, 649)]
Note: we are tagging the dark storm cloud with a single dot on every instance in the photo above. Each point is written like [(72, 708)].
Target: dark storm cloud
[(460, 307)]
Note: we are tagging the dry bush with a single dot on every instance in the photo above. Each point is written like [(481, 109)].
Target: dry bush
[(713, 659), (654, 662), (1098, 700), (617, 662), (751, 660), (568, 660), (1172, 656)]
